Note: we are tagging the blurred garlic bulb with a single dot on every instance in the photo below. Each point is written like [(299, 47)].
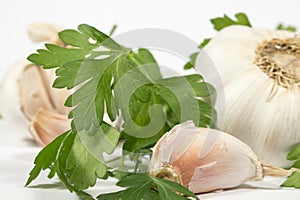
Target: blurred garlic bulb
[(260, 72), (27, 96), (205, 160)]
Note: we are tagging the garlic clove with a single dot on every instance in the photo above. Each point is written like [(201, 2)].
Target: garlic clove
[(47, 125), (209, 160), (33, 91), (57, 96)]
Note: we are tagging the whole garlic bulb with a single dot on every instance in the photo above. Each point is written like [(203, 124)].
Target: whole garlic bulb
[(260, 72), (205, 160)]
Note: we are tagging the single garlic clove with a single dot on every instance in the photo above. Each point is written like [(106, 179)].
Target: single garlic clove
[(204, 159), (47, 125), (57, 96), (33, 91)]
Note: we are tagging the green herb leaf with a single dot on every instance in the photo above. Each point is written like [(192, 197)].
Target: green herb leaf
[(77, 157), (173, 94), (85, 161), (140, 186), (46, 158), (294, 179), (287, 28), (54, 157), (294, 154), (191, 63), (193, 57), (222, 22)]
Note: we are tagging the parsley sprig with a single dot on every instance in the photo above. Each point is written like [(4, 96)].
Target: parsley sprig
[(109, 78), (143, 186), (294, 179)]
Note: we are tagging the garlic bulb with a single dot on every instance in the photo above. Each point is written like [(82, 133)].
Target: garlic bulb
[(205, 160), (260, 72), (27, 96)]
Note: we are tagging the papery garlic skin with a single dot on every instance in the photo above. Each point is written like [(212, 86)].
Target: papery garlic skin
[(258, 111), (205, 160)]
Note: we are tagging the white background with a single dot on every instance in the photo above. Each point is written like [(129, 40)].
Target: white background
[(189, 17)]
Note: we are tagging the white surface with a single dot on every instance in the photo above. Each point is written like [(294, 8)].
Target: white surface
[(17, 153), (190, 18)]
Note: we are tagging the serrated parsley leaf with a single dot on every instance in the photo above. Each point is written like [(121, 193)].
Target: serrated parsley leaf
[(179, 100), (222, 22), (294, 154), (204, 43), (77, 158), (93, 69), (140, 186), (46, 158), (86, 39), (191, 63), (294, 179), (193, 56), (287, 28)]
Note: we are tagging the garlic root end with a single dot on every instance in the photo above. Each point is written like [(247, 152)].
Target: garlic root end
[(269, 170)]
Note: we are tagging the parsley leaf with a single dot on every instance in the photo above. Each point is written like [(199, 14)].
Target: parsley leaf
[(86, 39), (222, 22), (46, 158), (287, 28), (294, 179), (77, 157), (80, 65), (141, 186), (294, 154), (173, 94), (191, 63)]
